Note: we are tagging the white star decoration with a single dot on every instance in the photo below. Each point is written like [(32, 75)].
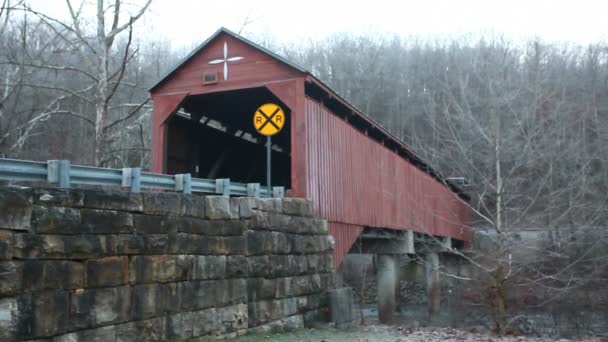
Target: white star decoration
[(225, 60)]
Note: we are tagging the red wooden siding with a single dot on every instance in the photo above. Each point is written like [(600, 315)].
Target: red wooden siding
[(344, 236), (354, 180)]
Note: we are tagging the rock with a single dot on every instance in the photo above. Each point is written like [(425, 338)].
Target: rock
[(16, 209), (209, 267), (7, 243), (93, 335), (109, 271), (52, 275), (163, 203), (147, 301), (193, 205), (11, 275), (56, 220), (59, 197), (106, 221), (9, 319), (113, 200), (94, 307), (298, 207), (197, 295), (236, 266), (50, 314), (271, 205), (261, 288), (205, 322), (293, 323), (214, 227), (149, 224), (217, 208), (233, 318), (159, 268), (180, 326)]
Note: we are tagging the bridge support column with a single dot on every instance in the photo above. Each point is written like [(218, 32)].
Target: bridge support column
[(433, 285), (387, 265)]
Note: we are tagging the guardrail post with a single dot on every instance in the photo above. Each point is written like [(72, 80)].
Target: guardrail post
[(222, 186), (253, 189), (136, 179), (278, 191), (58, 172), (131, 178), (188, 183)]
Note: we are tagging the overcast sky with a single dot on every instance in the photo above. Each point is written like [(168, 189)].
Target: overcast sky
[(188, 22)]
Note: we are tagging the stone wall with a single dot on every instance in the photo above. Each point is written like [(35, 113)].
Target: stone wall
[(92, 265)]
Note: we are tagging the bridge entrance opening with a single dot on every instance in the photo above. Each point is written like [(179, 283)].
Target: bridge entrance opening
[(213, 137)]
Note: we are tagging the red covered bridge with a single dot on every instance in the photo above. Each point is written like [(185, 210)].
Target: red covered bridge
[(356, 172)]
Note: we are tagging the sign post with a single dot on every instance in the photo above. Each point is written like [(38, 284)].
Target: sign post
[(268, 120)]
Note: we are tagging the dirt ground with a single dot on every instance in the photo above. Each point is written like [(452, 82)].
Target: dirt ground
[(383, 333)]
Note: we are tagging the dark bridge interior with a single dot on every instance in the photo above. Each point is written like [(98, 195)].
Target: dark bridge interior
[(214, 138)]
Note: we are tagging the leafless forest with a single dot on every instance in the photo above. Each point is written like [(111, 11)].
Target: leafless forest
[(526, 124)]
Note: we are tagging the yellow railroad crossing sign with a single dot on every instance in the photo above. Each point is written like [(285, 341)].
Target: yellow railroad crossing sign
[(269, 119)]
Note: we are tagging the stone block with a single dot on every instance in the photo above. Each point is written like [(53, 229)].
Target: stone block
[(153, 329), (163, 203), (172, 300), (300, 285), (106, 221), (236, 266), (148, 301), (308, 225), (109, 271), (246, 206), (298, 265), (316, 284), (159, 268), (129, 244), (193, 205), (307, 244), (233, 318), (11, 277), (152, 224), (258, 266), (217, 208), (234, 208), (279, 265), (113, 200), (56, 220), (49, 315), (232, 291), (261, 288), (59, 197), (7, 243), (180, 326), (298, 207), (265, 242), (9, 319), (214, 227), (94, 307), (102, 334), (263, 311), (209, 267), (271, 205), (16, 209), (314, 263), (198, 244), (261, 220), (205, 322), (52, 274), (327, 281), (196, 295), (32, 246)]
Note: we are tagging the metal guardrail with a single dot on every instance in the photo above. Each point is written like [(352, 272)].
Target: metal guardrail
[(63, 174)]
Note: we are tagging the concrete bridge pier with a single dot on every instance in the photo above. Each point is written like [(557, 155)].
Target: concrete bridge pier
[(433, 286), (387, 272)]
